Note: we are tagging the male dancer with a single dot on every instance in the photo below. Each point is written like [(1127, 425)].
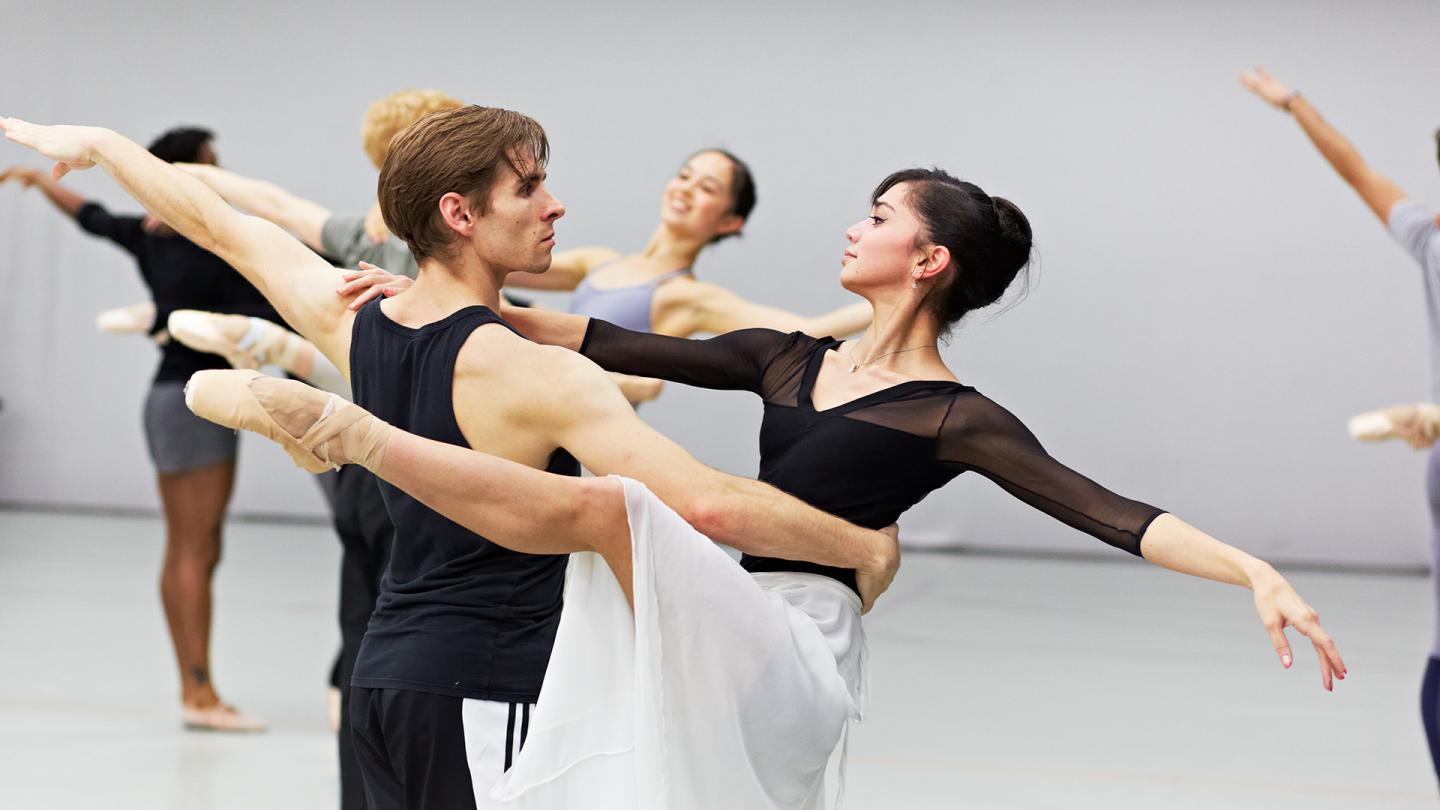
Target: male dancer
[(457, 647)]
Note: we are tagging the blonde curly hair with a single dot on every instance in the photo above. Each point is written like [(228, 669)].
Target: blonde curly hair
[(390, 115)]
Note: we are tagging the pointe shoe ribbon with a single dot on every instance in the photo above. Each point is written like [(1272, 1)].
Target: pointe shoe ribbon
[(228, 398)]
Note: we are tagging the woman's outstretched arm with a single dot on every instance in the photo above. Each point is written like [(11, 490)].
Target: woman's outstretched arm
[(697, 306), (979, 435), (567, 269)]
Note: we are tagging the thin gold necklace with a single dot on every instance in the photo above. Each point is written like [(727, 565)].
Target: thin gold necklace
[(854, 366)]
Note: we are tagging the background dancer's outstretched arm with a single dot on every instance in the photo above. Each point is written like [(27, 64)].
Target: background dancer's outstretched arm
[(299, 283), (299, 216), (63, 198), (1378, 191)]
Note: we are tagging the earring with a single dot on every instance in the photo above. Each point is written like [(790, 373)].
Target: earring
[(915, 284)]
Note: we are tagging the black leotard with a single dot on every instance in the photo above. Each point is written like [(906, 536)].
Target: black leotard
[(872, 458)]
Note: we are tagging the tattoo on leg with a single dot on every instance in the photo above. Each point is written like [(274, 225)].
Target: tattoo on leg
[(201, 675)]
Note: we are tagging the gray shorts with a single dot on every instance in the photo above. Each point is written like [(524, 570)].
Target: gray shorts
[(178, 439)]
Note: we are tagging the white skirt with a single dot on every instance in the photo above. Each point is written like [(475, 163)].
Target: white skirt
[(720, 690)]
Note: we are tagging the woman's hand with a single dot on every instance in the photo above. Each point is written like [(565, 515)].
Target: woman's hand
[(1279, 607), (874, 579), (70, 147), (371, 282), (1261, 83)]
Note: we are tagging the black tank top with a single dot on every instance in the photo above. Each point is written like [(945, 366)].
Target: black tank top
[(456, 615)]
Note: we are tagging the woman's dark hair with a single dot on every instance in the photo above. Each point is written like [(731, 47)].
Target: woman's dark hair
[(988, 238), (742, 189), (181, 144)]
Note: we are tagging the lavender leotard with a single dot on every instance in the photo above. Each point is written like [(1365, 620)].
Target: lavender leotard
[(627, 307)]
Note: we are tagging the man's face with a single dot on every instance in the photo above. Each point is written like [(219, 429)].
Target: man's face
[(517, 233)]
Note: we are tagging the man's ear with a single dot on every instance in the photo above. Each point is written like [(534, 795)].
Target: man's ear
[(457, 213)]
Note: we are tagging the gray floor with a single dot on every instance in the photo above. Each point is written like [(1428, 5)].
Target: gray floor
[(997, 683)]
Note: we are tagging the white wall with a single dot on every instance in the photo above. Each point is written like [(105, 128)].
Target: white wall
[(1212, 303)]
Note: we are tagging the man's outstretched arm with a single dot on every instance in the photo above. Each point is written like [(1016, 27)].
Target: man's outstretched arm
[(1378, 191), (266, 200), (67, 201), (298, 283)]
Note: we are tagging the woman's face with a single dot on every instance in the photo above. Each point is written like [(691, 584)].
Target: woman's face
[(697, 199), (882, 250)]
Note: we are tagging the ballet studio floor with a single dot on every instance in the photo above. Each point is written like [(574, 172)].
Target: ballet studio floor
[(997, 683)]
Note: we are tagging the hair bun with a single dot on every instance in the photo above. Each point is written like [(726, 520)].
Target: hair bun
[(1014, 236)]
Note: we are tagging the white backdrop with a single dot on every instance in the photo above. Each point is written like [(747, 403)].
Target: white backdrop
[(1212, 302)]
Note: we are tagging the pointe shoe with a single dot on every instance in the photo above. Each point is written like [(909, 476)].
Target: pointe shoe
[(1371, 426), (228, 398), (127, 320), (220, 717), (1380, 425), (261, 342)]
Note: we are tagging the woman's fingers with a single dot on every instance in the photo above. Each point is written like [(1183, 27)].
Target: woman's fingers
[(1275, 628), (1332, 666), (364, 297)]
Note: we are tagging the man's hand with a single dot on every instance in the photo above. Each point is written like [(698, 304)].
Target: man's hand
[(874, 579), (26, 176), (70, 147)]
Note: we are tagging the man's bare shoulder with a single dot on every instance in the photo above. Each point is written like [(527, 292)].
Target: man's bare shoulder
[(494, 353)]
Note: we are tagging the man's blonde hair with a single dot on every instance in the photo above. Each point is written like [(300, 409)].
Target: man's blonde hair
[(387, 117)]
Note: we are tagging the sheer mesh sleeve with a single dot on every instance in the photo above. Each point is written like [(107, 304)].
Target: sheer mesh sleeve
[(735, 360), (979, 435)]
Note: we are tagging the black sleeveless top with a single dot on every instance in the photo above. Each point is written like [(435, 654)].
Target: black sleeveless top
[(457, 615), (870, 459)]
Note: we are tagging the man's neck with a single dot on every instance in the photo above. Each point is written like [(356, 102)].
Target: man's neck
[(443, 287)]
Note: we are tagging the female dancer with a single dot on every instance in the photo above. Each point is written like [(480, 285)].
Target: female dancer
[(655, 290), (194, 460), (694, 688), (1415, 228)]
